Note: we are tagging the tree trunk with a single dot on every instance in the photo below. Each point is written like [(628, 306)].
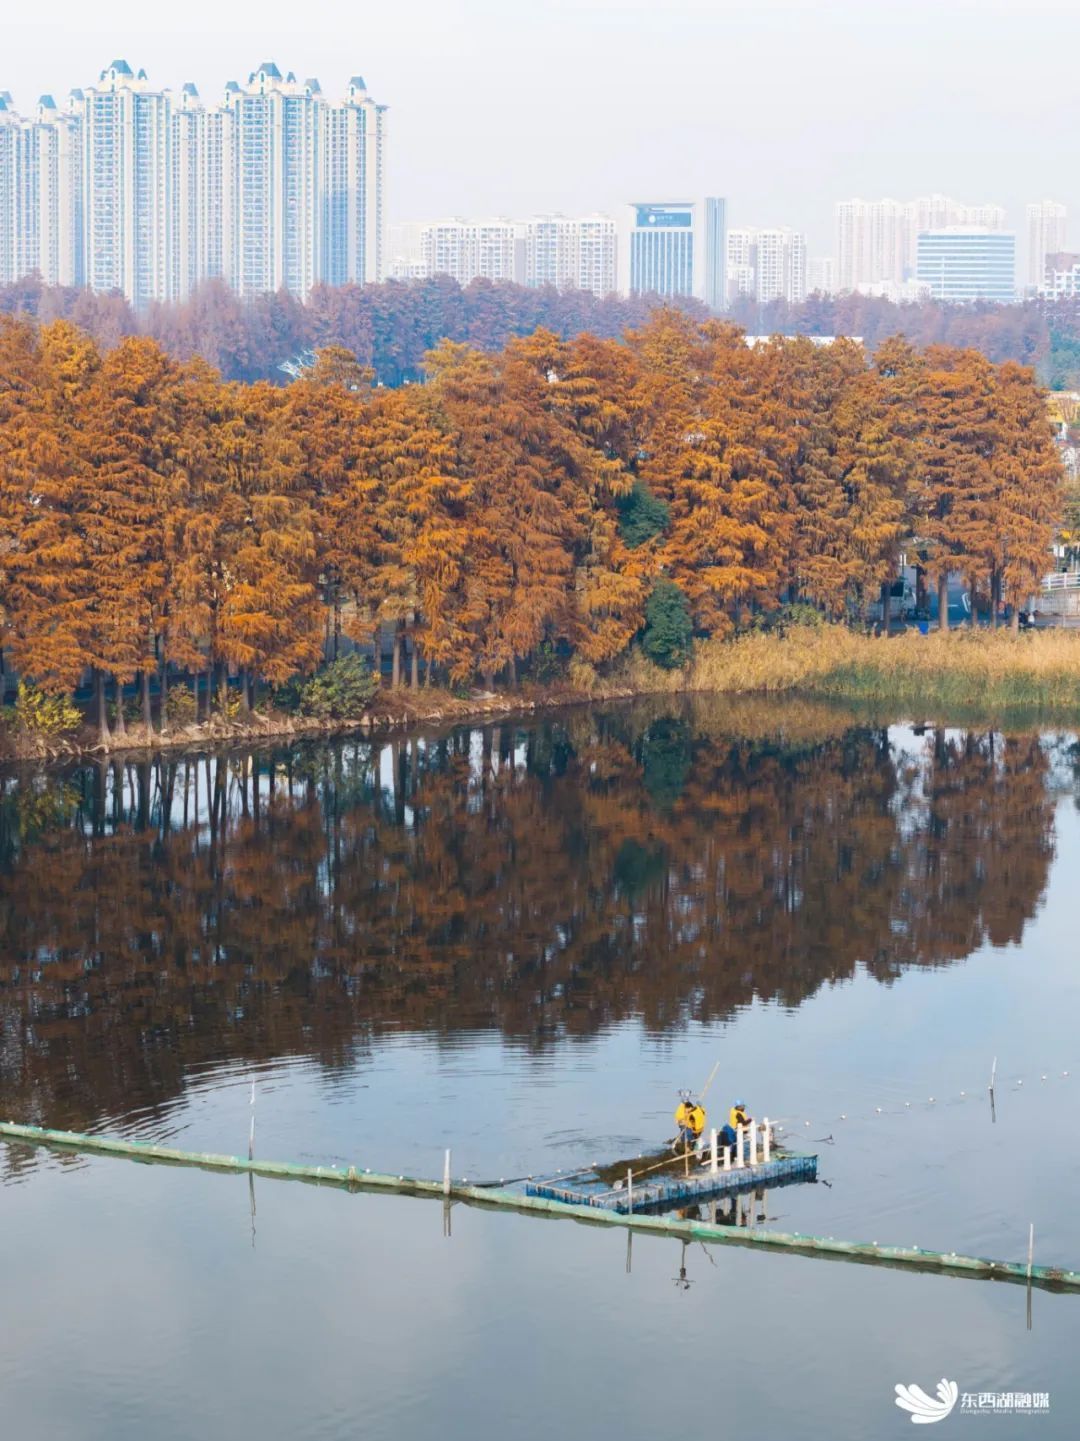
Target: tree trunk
[(102, 708), (245, 704), (147, 713), (489, 678), (223, 688), (511, 672), (886, 607), (1015, 622), (163, 693), (995, 598), (414, 663), (943, 601), (121, 724), (427, 674), (395, 657)]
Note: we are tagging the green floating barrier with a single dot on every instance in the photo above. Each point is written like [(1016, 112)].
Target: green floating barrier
[(353, 1178)]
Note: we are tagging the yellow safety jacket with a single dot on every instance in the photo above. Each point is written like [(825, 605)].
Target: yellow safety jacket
[(737, 1118), (692, 1117)]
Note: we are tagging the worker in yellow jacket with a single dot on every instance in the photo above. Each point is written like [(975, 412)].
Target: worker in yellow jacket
[(690, 1119), (736, 1117)]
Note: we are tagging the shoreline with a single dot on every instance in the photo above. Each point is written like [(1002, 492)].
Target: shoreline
[(977, 674), (394, 712)]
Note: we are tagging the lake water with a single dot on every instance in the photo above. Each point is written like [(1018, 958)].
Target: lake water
[(520, 941)]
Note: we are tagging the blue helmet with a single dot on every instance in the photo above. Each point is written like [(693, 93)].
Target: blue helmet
[(740, 1105)]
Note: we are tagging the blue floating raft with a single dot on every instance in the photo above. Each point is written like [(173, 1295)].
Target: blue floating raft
[(668, 1189)]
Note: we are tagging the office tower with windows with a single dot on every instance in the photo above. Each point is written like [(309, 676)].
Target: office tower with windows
[(877, 240), (962, 263), (677, 248), (662, 248)]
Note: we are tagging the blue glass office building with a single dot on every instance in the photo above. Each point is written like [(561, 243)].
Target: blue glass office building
[(677, 248), (962, 263)]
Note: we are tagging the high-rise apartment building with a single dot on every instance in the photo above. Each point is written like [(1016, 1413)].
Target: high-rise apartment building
[(125, 182), (10, 140), (275, 160), (571, 252), (147, 192), (962, 263), (876, 240), (187, 194), (821, 275), (1046, 226), (678, 248), (469, 250), (766, 264), (353, 223)]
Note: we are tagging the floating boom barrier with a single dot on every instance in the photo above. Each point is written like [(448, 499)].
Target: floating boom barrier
[(353, 1178)]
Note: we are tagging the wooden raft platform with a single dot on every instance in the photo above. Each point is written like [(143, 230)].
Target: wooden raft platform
[(668, 1189)]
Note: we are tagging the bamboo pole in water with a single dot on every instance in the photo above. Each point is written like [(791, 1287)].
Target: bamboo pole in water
[(949, 1263)]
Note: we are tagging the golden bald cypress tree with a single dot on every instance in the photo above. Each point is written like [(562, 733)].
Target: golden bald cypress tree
[(44, 563)]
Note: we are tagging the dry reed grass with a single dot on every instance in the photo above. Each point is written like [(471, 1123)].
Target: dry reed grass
[(962, 668)]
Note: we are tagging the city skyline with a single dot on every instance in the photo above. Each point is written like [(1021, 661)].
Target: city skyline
[(149, 191), (673, 108)]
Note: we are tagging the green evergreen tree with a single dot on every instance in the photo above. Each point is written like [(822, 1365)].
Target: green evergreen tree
[(641, 515), (668, 627)]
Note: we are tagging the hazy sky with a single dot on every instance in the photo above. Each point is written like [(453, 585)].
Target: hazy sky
[(510, 106)]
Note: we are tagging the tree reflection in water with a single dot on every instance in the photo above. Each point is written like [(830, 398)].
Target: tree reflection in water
[(661, 861)]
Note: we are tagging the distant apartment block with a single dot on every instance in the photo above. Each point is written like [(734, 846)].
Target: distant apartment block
[(766, 264), (962, 263), (1061, 276), (140, 190), (468, 250), (678, 248), (40, 195), (571, 252), (1046, 227), (567, 252), (877, 240), (821, 275)]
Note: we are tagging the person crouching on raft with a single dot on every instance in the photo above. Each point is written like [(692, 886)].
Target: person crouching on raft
[(690, 1119), (736, 1117)]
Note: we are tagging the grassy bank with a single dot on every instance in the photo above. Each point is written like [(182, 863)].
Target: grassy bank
[(983, 669), (962, 673)]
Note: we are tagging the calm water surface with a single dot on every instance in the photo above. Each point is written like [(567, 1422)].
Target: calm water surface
[(519, 942)]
